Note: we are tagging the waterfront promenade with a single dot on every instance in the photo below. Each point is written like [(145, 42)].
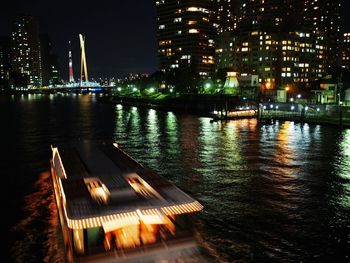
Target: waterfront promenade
[(268, 112)]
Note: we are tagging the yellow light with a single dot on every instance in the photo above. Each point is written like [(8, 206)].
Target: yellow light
[(232, 74), (129, 218)]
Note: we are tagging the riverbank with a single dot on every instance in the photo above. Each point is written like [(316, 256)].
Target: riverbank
[(205, 105)]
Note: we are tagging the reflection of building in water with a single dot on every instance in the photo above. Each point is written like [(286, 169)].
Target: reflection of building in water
[(284, 154), (189, 134), (152, 136), (343, 167), (108, 201), (172, 132)]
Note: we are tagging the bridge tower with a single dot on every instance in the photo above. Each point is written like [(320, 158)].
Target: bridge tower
[(71, 78), (83, 66)]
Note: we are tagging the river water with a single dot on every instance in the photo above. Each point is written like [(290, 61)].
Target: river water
[(276, 192)]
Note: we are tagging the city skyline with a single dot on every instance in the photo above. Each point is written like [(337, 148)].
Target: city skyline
[(130, 24), (109, 27)]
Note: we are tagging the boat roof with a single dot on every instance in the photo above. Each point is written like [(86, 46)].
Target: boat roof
[(107, 163)]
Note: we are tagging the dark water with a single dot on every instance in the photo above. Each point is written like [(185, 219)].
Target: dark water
[(271, 193)]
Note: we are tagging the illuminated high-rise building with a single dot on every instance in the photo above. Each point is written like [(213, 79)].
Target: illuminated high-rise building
[(269, 15), (227, 15), (322, 18), (186, 31), (275, 40), (54, 71), (279, 59), (49, 62), (5, 63), (25, 49), (346, 51), (45, 53)]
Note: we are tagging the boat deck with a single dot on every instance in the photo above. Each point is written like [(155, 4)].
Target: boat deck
[(112, 166)]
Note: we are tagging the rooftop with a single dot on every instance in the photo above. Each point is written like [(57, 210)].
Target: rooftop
[(98, 179)]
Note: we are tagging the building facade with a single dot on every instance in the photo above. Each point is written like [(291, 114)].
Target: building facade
[(5, 63), (279, 59), (186, 32), (49, 62), (346, 51), (293, 43), (45, 53), (227, 15), (54, 71), (322, 18), (25, 49), (270, 15)]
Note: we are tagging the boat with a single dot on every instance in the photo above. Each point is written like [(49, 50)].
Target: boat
[(113, 209)]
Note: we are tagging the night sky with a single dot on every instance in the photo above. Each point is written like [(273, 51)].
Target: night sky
[(120, 34)]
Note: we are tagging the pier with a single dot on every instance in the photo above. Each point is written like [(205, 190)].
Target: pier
[(315, 114)]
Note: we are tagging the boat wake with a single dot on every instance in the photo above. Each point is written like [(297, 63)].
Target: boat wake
[(39, 238), (212, 255)]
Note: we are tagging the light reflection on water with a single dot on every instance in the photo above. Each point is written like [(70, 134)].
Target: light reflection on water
[(35, 225), (271, 192), (343, 169)]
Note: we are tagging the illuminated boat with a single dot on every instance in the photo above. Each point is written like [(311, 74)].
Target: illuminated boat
[(113, 208)]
